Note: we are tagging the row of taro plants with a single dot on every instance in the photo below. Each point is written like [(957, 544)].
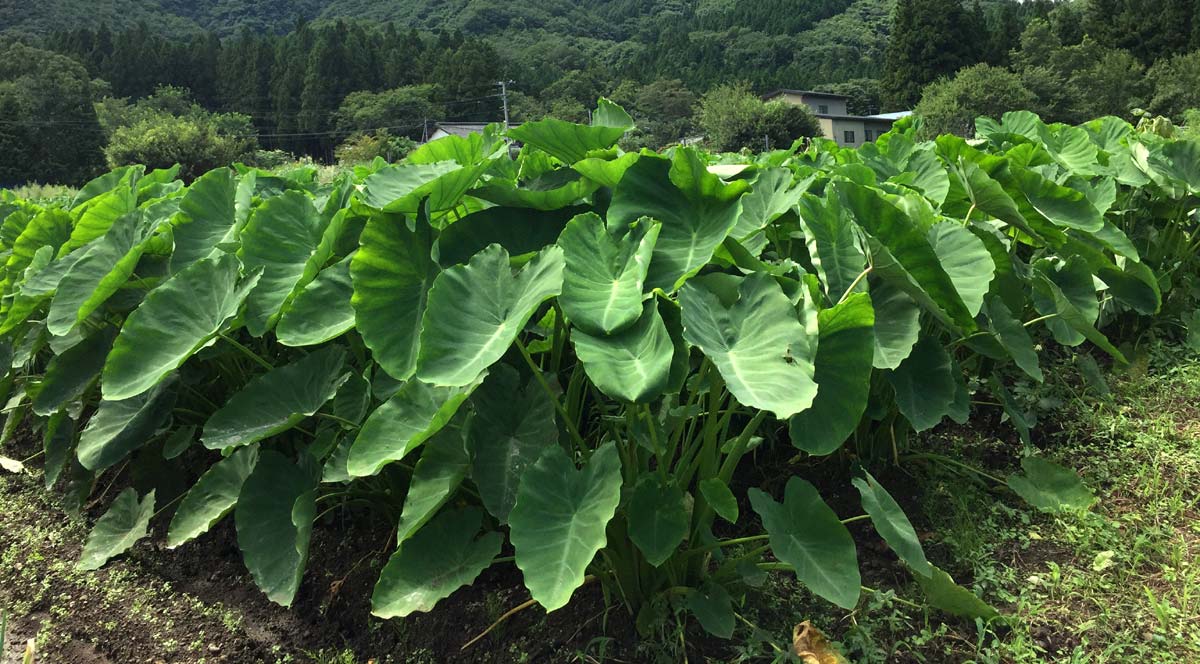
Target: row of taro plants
[(565, 352)]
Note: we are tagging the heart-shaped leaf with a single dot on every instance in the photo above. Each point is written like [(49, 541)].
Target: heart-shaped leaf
[(807, 535), (558, 523), (475, 312), (758, 344), (435, 562)]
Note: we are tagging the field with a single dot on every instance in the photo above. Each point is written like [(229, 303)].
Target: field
[(932, 401)]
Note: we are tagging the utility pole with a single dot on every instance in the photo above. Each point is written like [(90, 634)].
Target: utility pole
[(504, 98)]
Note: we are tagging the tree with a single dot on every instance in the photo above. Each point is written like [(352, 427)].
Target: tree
[(950, 106), (363, 147), (863, 93), (50, 132), (662, 110), (402, 111), (930, 39), (1176, 85), (1150, 29), (733, 118), (169, 128)]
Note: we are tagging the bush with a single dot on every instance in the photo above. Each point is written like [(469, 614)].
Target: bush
[(168, 128), (732, 118), (402, 111), (363, 147), (950, 106), (162, 141), (270, 159)]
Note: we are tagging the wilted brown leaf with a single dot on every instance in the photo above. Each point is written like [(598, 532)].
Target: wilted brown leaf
[(812, 646)]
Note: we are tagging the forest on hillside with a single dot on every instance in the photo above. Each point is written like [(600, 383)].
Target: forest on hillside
[(303, 78)]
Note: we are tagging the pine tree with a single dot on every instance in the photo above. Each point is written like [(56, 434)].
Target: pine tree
[(930, 39)]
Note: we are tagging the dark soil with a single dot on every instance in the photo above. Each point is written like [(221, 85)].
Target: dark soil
[(199, 604)]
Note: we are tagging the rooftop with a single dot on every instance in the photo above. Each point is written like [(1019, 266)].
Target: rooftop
[(805, 93), (463, 129), (891, 116)]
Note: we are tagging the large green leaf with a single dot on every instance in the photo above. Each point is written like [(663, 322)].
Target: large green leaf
[(897, 325), (988, 196), (966, 259), (772, 195), (554, 190), (49, 228), (408, 188), (475, 312), (513, 424), (558, 524), (944, 594), (1072, 312), (696, 208), (1014, 337), (1050, 487), (175, 320), (126, 521), (892, 524), (120, 427), (807, 535), (392, 273), (1058, 204), (212, 497), (902, 254), (58, 439), (38, 282), (100, 272), (565, 140), (713, 608), (925, 385), (69, 374), (604, 275), (843, 377), (1074, 282), (833, 242), (100, 214), (519, 231), (403, 423), (280, 238), (209, 217), (443, 465), (1133, 283), (633, 365), (274, 516), (758, 344), (277, 401), (658, 519), (610, 114), (322, 311), (440, 559)]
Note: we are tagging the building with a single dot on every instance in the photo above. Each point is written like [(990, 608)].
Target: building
[(836, 122), (438, 130)]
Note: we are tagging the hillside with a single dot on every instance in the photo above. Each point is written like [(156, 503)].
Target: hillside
[(609, 20)]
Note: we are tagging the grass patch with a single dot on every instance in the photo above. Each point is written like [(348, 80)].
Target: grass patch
[(1119, 583)]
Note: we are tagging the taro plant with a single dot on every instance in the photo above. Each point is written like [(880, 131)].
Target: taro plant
[(568, 351)]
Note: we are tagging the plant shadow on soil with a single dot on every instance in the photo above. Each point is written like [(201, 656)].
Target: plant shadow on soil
[(1119, 584)]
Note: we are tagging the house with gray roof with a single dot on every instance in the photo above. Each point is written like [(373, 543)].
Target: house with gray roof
[(835, 119)]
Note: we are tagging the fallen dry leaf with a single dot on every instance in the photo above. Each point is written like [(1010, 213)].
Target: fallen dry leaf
[(812, 646)]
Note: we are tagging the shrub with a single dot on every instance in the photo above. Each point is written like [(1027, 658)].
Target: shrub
[(732, 118), (950, 106), (196, 144), (363, 147)]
